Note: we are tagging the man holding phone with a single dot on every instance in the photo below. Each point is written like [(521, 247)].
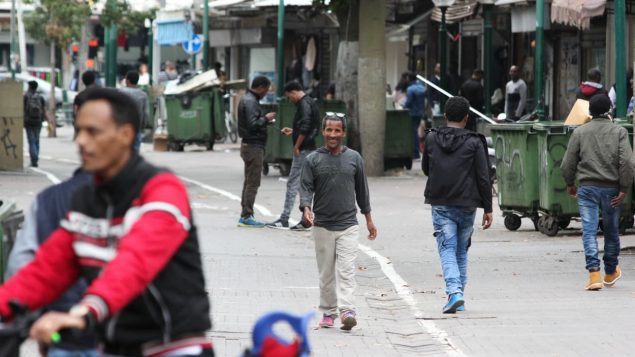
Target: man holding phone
[(456, 163)]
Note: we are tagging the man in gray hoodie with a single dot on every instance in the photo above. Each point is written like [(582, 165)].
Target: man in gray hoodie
[(599, 157)]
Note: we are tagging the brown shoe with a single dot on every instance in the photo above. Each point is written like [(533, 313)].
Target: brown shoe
[(594, 283), (610, 279)]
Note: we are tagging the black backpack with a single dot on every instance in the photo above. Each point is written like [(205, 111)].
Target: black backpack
[(34, 111)]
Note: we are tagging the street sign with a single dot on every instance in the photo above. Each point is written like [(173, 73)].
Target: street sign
[(193, 46)]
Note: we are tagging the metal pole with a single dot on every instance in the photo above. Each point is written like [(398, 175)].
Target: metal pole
[(205, 35), (12, 57), (442, 54), (538, 90), (111, 60), (620, 61), (150, 52), (488, 59), (280, 49)]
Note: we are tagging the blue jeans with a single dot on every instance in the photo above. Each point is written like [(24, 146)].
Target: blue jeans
[(453, 228), (60, 352), (33, 137), (592, 199), (137, 142), (293, 183), (416, 121)]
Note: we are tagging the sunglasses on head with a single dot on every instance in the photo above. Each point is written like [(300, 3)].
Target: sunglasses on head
[(335, 114)]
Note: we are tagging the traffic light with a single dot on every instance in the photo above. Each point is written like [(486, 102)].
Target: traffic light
[(75, 52), (93, 46)]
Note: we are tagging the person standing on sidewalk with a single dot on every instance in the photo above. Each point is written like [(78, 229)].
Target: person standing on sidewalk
[(515, 95), (252, 128), (599, 156), (416, 103), (306, 123), (333, 180), (34, 114), (472, 90), (455, 161), (141, 99)]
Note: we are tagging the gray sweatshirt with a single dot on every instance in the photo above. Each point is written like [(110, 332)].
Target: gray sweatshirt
[(599, 154), (334, 183)]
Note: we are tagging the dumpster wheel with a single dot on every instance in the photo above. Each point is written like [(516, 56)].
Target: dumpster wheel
[(548, 225), (265, 169), (512, 222), (285, 169)]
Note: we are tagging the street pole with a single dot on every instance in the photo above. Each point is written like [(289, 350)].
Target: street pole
[(205, 35), (111, 58), (620, 61), (150, 50), (371, 79), (538, 92), (487, 48), (280, 86), (12, 57), (442, 54)]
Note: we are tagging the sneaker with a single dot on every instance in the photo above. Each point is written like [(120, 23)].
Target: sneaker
[(454, 301), (594, 283), (610, 279), (250, 222), (33, 164), (327, 321), (300, 227), (279, 224), (461, 308), (348, 320)]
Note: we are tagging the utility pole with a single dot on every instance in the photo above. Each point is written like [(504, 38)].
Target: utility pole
[(111, 49), (280, 56), (12, 57), (487, 49), (372, 83), (540, 35), (620, 60), (205, 35)]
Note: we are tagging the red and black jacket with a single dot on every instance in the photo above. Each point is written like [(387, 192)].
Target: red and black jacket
[(134, 240)]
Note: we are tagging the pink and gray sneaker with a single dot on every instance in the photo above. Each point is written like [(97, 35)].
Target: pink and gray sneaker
[(327, 321), (348, 320)]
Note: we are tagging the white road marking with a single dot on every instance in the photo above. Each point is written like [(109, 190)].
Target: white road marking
[(48, 175), (401, 287)]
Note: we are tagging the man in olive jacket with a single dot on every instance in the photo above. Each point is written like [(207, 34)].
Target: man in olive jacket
[(599, 158)]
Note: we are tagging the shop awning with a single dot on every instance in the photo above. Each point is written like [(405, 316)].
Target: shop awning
[(460, 10), (577, 13), (173, 31)]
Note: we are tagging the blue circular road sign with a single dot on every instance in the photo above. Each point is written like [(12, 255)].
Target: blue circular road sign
[(194, 45)]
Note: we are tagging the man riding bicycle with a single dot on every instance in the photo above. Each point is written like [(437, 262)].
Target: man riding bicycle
[(130, 233)]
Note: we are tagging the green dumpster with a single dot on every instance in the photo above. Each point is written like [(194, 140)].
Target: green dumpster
[(398, 140), (192, 118), (556, 205), (516, 147), (10, 221)]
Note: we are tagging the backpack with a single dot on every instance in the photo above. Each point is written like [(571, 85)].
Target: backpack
[(34, 111)]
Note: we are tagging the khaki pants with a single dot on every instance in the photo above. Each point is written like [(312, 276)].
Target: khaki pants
[(252, 156), (336, 252)]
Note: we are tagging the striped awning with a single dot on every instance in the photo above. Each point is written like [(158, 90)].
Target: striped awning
[(577, 13), (173, 31), (460, 10)]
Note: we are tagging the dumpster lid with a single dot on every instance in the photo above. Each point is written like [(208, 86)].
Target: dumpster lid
[(554, 125), (511, 126), (200, 81)]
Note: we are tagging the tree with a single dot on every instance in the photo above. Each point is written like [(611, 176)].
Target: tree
[(56, 23)]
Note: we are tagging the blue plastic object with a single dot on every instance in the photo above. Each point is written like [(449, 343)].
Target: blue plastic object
[(264, 329)]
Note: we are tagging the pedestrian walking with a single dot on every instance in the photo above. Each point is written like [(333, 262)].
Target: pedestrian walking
[(592, 86), (434, 96), (141, 99), (252, 128), (472, 90), (599, 157), (415, 102), (515, 95), (333, 180), (306, 126), (34, 114), (455, 161)]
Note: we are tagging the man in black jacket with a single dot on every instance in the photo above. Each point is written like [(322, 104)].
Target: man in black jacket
[(455, 161), (305, 129), (472, 90), (252, 128)]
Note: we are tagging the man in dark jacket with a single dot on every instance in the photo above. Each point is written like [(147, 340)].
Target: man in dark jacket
[(592, 86), (472, 90), (252, 128), (415, 102), (130, 234), (599, 156), (34, 114), (306, 123), (455, 161)]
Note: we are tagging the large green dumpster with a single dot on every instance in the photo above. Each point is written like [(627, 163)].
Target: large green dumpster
[(556, 206), (398, 140), (10, 221), (516, 147), (193, 118)]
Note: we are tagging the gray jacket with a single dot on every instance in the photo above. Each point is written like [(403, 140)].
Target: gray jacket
[(336, 182), (141, 99), (599, 154)]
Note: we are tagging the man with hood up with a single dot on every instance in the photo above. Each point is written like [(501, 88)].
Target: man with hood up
[(592, 86), (455, 161)]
